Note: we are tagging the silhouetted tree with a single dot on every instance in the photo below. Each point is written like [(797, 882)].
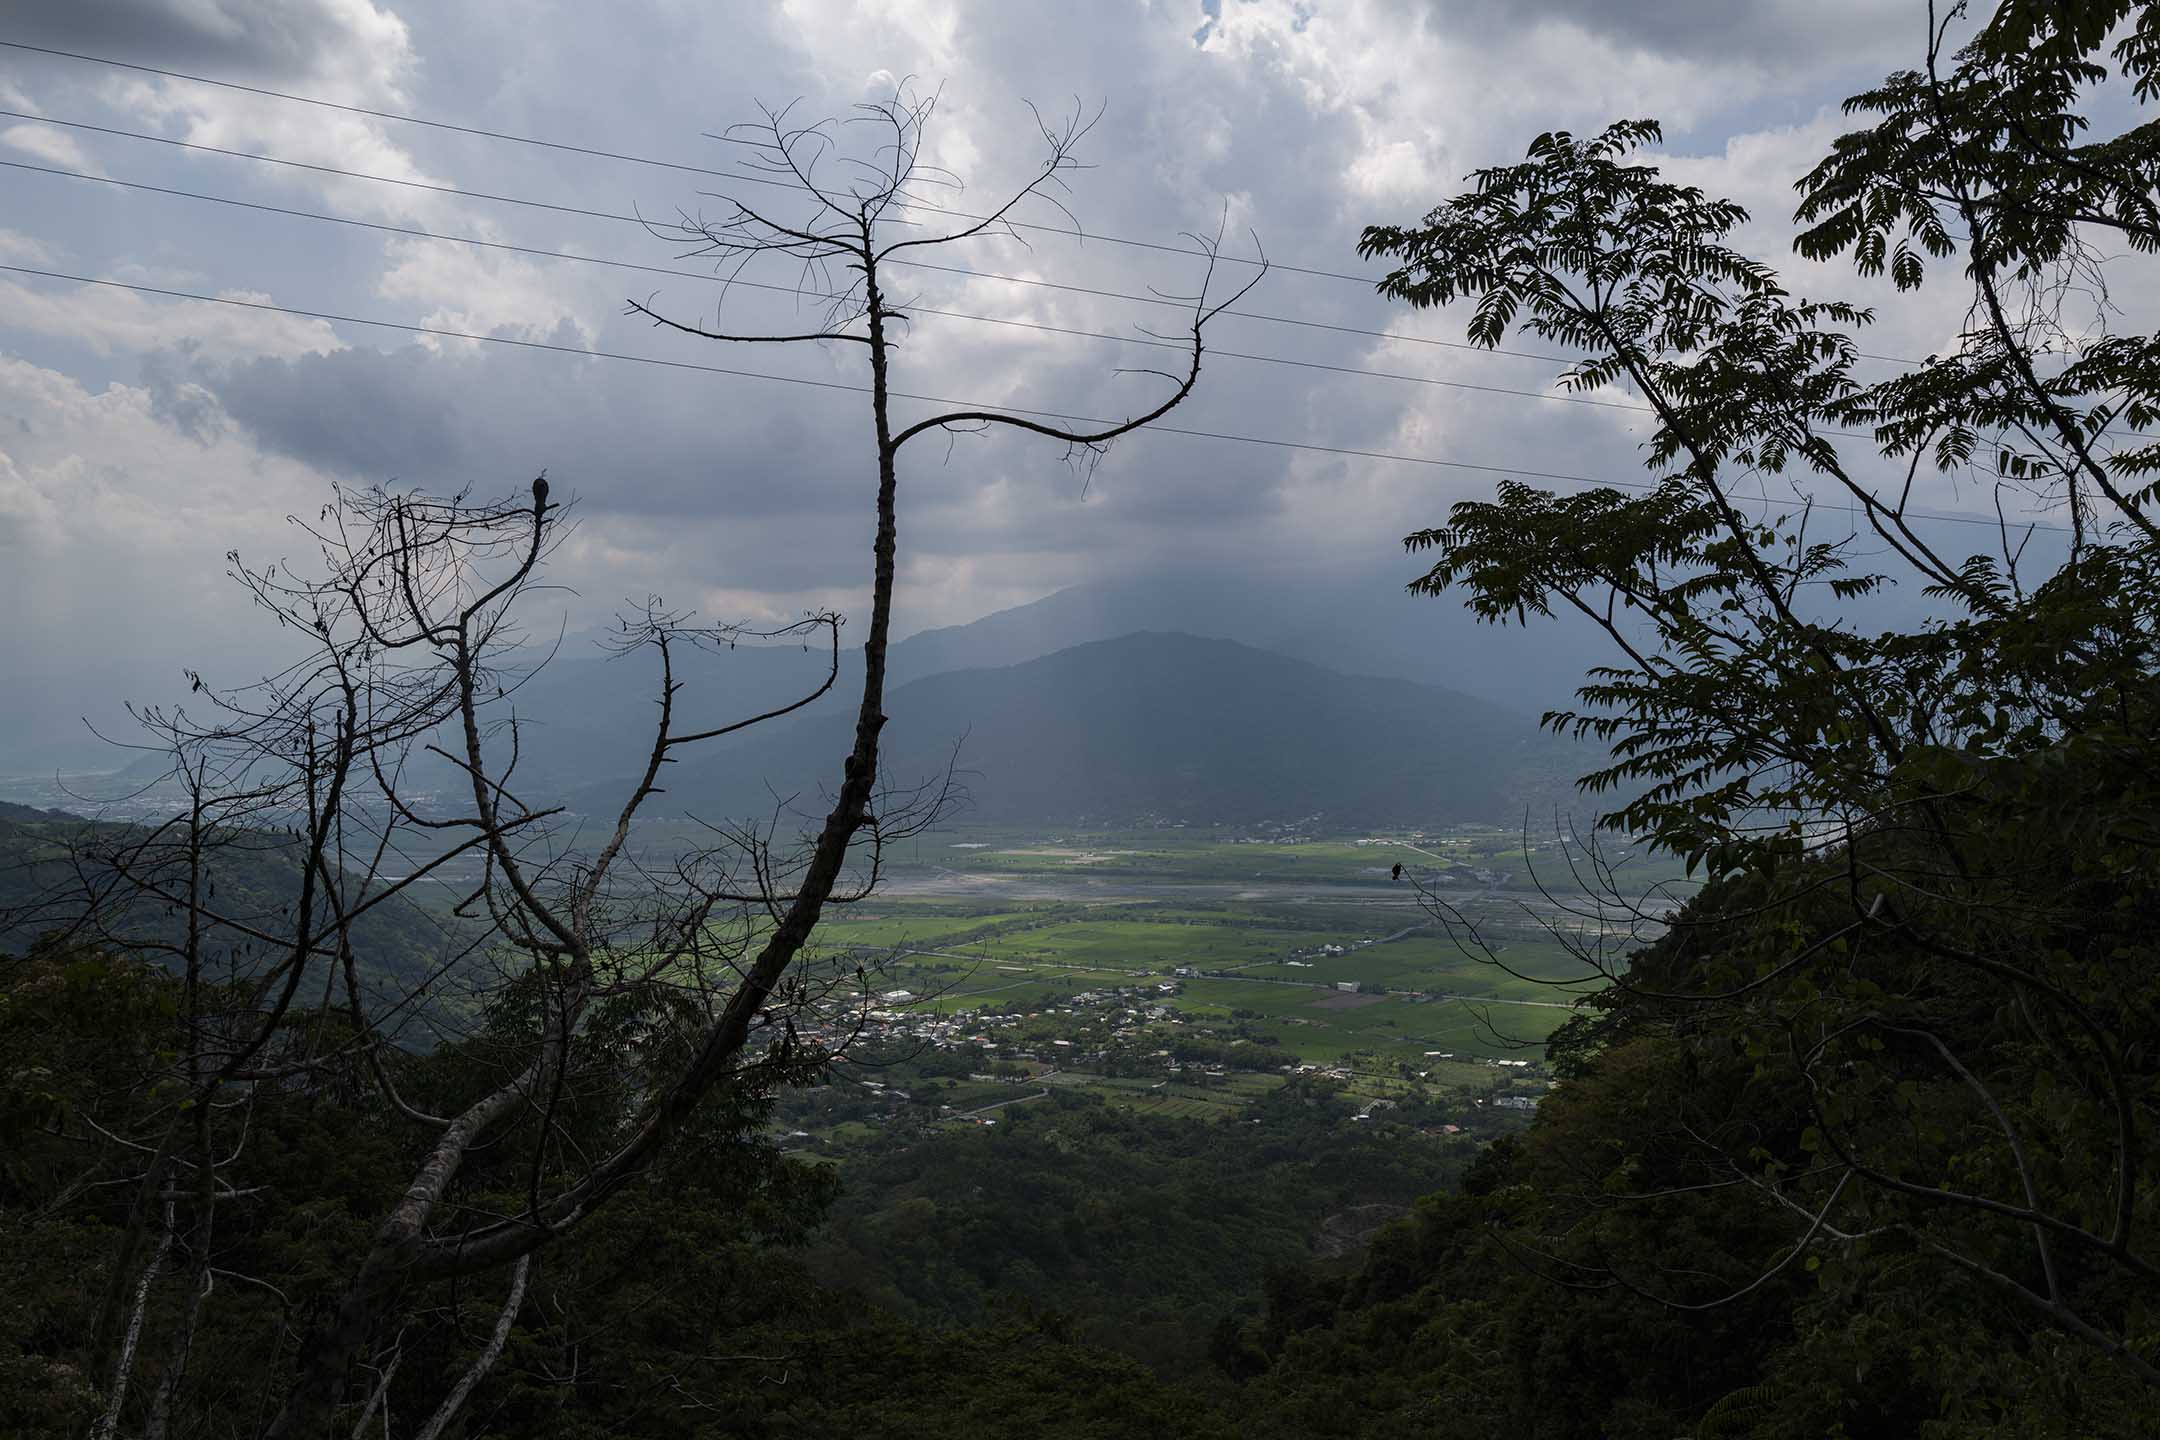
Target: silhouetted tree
[(1932, 850), (621, 1003)]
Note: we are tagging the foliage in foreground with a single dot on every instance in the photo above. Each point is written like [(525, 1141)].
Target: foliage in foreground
[(1629, 1268), (1864, 1145), (691, 1314)]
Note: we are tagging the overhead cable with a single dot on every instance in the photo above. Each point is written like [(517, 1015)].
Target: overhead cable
[(1158, 428)]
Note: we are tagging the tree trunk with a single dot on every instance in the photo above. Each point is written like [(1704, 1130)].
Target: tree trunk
[(486, 1358), (108, 1424)]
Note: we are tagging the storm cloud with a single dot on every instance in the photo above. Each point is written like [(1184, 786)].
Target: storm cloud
[(166, 431)]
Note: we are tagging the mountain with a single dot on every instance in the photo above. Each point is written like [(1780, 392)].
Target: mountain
[(592, 717), (1165, 725), (50, 860), (1364, 625), (46, 698), (589, 716)]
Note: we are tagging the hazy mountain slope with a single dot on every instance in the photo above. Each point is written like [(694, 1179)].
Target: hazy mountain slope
[(45, 699), (1361, 626), (1164, 724), (589, 716), (253, 876), (593, 717)]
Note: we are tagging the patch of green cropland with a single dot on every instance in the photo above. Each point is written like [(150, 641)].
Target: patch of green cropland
[(1133, 936), (901, 925), (1166, 940), (1433, 964), (1558, 862), (1182, 1100), (1150, 940), (1389, 1029), (1264, 968)]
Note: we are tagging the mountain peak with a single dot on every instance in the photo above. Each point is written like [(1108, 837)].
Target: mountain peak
[(1168, 724)]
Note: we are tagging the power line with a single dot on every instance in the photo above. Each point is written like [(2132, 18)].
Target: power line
[(675, 165), (642, 223), (855, 389), (710, 278), (646, 160)]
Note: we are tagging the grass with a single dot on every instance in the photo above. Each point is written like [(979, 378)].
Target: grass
[(914, 925), (973, 1094), (1394, 1029)]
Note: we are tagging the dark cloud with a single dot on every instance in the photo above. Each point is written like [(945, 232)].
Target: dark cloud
[(1311, 121), (175, 396), (771, 481), (360, 414), (241, 39), (1780, 36)]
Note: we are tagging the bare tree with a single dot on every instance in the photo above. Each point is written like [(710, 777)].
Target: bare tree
[(382, 764)]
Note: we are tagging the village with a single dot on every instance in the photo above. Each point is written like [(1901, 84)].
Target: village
[(909, 1061)]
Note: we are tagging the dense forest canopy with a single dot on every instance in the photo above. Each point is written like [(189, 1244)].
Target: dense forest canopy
[(1863, 1144)]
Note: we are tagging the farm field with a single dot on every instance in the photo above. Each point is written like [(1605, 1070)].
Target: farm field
[(1556, 861), (1413, 990), (1193, 1096), (1180, 1101)]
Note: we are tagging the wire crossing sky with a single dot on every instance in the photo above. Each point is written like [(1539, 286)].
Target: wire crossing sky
[(383, 243), (1510, 471)]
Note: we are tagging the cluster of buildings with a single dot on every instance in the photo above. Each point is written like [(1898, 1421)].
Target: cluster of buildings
[(1104, 1017), (1121, 1030)]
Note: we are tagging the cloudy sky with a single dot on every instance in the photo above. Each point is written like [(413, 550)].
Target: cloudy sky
[(142, 437)]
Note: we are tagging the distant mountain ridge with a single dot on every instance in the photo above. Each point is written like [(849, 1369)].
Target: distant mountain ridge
[(1222, 736), (591, 716), (587, 709), (1363, 625), (594, 716), (1166, 725)]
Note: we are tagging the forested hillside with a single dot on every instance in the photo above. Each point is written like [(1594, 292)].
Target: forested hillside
[(1147, 1236), (1634, 1264), (974, 1282), (122, 884)]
